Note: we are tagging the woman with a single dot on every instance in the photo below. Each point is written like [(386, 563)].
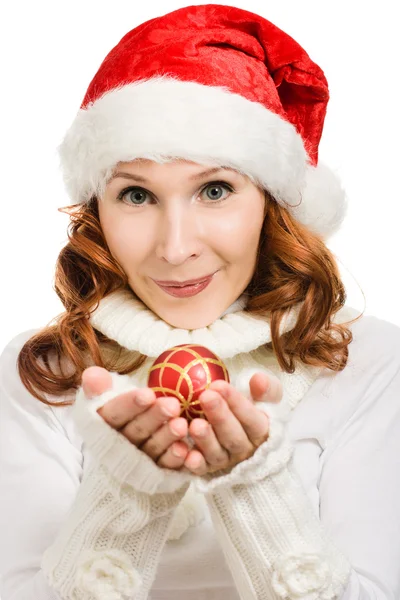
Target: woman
[(201, 217)]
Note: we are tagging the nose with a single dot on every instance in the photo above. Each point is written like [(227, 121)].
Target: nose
[(178, 237)]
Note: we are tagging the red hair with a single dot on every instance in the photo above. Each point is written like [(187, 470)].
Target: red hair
[(293, 266)]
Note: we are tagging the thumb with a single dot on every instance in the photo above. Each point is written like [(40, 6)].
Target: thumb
[(266, 388), (95, 381)]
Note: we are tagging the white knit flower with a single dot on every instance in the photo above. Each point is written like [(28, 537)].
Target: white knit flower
[(107, 575), (302, 576)]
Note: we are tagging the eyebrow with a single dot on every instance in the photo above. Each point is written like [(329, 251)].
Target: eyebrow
[(125, 175)]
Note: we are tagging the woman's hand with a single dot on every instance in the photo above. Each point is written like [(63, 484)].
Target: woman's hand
[(234, 430), (235, 427), (152, 424)]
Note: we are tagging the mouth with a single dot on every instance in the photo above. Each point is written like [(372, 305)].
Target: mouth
[(185, 289)]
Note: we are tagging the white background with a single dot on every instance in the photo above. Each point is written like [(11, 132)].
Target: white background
[(50, 52)]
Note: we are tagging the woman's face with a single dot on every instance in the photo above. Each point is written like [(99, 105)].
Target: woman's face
[(174, 222)]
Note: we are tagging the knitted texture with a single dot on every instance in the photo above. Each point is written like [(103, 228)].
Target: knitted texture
[(108, 447), (125, 319), (127, 506), (189, 513), (273, 542), (110, 544), (271, 538)]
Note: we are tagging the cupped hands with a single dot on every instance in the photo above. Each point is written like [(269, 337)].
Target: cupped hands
[(233, 429)]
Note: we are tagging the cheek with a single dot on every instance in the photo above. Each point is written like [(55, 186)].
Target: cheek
[(238, 233), (127, 241)]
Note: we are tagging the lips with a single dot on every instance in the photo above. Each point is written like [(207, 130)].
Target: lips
[(177, 284), (183, 289)]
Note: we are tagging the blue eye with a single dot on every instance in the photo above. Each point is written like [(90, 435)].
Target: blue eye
[(215, 190), (137, 196)]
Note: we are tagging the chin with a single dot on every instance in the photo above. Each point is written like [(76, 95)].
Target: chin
[(196, 312)]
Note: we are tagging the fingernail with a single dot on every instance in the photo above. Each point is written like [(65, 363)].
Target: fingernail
[(202, 432), (210, 404), (165, 411), (174, 431), (143, 400), (219, 386), (176, 452), (196, 462)]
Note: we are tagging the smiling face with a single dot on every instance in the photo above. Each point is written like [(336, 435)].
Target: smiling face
[(171, 223)]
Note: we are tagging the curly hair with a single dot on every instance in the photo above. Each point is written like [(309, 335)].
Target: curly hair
[(293, 266)]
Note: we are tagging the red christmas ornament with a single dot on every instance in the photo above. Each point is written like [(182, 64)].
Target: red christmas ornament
[(184, 372)]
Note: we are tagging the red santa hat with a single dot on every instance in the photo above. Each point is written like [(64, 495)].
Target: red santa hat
[(215, 85)]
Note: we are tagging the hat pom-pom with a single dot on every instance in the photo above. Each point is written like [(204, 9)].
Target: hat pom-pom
[(324, 202)]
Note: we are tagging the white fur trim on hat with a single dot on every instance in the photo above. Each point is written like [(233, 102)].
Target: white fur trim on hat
[(163, 118)]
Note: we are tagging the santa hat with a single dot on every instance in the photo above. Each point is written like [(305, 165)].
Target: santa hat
[(215, 85)]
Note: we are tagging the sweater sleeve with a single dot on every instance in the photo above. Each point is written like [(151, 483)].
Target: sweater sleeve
[(278, 548), (94, 532)]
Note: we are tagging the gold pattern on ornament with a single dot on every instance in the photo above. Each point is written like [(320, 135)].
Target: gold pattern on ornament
[(187, 403)]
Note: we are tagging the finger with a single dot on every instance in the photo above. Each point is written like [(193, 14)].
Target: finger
[(266, 388), (119, 411), (95, 381), (174, 457), (254, 422), (206, 441), (142, 427), (162, 439), (227, 427), (196, 463)]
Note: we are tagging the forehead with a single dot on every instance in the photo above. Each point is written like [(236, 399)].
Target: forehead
[(147, 168)]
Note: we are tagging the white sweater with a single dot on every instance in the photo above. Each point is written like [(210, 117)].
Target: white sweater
[(312, 515)]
